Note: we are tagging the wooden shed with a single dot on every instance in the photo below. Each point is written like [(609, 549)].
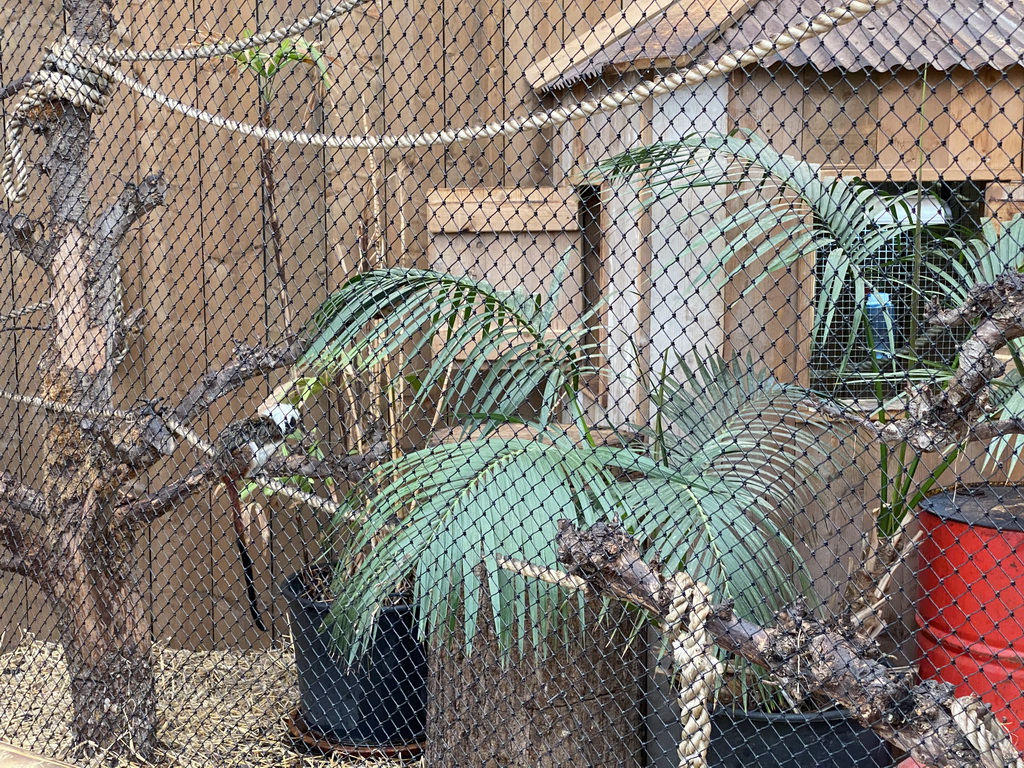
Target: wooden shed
[(913, 93)]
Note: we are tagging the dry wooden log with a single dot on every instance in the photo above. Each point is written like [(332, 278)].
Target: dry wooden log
[(927, 720)]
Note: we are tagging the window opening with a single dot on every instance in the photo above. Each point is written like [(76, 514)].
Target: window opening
[(890, 338)]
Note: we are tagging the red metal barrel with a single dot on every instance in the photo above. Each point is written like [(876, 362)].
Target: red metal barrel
[(971, 612)]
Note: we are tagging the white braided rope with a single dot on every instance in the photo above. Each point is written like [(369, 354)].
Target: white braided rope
[(984, 733), (819, 25), (227, 47), (66, 75), (70, 60), (694, 665)]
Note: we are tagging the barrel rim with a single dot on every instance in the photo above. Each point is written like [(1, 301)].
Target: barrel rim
[(941, 504)]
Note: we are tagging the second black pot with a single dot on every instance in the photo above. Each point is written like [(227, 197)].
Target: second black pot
[(379, 701), (813, 740)]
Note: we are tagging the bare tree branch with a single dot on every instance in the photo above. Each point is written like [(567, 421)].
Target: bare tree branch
[(32, 554), (990, 430), (128, 329), (802, 653), (956, 413), (64, 408), (350, 467), (15, 86), (316, 503), (21, 497), (26, 235), (135, 201), (135, 513), (249, 363), (40, 306), (137, 438), (19, 565)]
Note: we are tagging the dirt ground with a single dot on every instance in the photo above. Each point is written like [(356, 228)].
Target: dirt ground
[(220, 708)]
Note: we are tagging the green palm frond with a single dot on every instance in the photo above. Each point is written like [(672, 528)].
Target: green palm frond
[(998, 248), (718, 489), (713, 529), (736, 468), (479, 330), (445, 514), (773, 211)]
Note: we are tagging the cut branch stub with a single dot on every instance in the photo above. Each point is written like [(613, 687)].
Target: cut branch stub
[(26, 235), (611, 561), (21, 497)]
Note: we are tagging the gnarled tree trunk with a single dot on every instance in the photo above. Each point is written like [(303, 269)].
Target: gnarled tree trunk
[(79, 535)]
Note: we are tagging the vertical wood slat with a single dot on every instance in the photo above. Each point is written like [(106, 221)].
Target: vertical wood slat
[(838, 109), (175, 250), (986, 115), (772, 322), (354, 46), (416, 45), (473, 87), (911, 125)]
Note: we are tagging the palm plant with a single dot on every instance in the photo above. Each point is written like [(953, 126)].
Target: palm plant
[(715, 484), (772, 211)]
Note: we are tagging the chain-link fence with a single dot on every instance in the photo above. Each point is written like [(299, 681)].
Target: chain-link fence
[(514, 383)]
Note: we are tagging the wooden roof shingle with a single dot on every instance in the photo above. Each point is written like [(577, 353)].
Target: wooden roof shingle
[(908, 34)]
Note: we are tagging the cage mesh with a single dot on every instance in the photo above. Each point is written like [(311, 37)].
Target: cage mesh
[(513, 383)]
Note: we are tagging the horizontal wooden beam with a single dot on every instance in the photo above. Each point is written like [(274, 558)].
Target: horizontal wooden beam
[(469, 209)]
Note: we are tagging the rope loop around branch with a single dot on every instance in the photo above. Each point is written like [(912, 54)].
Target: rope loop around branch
[(67, 73), (985, 733), (694, 664)]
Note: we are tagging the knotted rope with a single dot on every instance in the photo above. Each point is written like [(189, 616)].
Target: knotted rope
[(66, 74), (694, 664), (985, 733)]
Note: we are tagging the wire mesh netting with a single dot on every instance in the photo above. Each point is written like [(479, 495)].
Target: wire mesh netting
[(513, 383)]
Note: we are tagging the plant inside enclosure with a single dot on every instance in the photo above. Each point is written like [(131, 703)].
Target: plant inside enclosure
[(774, 210), (267, 66), (719, 483)]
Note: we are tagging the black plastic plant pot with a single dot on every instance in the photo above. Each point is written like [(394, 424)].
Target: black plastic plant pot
[(813, 740), (379, 701)]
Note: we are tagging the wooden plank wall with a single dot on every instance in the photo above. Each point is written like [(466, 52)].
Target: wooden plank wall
[(198, 266), (890, 126)]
